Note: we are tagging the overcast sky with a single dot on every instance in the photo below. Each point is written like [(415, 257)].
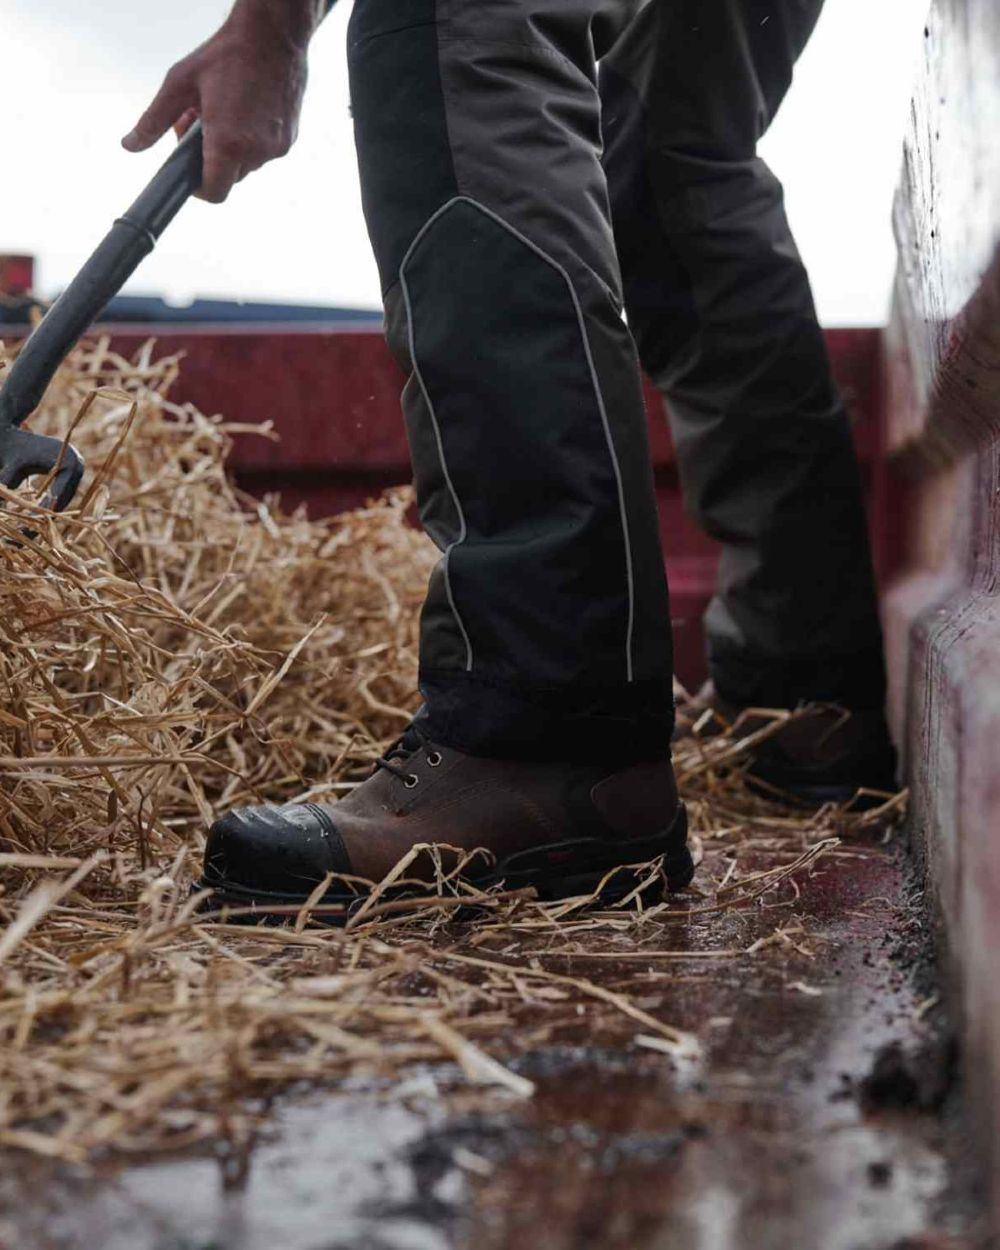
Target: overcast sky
[(76, 76)]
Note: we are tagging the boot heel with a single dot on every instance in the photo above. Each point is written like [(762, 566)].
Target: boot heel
[(589, 861), (677, 873), (678, 862), (678, 868)]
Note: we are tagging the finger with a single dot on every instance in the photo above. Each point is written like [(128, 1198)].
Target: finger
[(184, 123), (222, 168), (173, 99)]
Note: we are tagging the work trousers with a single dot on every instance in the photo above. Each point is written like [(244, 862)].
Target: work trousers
[(521, 205)]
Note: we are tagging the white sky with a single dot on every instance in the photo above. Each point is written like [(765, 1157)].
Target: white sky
[(76, 76)]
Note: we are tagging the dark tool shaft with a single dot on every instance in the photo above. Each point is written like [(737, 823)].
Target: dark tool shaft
[(129, 241)]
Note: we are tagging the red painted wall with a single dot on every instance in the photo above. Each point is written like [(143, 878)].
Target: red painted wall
[(333, 396)]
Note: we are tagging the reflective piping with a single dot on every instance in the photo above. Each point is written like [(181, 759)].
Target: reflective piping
[(626, 536), (564, 274), (437, 433)]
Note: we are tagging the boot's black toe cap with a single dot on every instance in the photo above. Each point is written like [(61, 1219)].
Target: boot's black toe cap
[(282, 850)]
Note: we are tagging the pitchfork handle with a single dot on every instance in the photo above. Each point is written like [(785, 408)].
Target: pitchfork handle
[(129, 241)]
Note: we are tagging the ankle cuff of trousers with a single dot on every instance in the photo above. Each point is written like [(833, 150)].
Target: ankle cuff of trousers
[(501, 720), (853, 679)]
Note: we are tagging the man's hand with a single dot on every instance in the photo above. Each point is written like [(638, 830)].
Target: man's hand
[(245, 83)]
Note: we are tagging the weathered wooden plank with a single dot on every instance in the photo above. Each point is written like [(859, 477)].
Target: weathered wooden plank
[(943, 413)]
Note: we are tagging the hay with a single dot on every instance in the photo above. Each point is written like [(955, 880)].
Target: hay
[(171, 648)]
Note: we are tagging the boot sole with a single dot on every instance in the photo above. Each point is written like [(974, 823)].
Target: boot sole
[(557, 870), (815, 793)]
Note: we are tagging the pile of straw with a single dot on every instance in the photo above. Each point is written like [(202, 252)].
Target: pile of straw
[(171, 648)]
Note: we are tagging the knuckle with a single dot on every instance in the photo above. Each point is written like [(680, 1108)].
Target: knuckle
[(248, 146), (233, 143)]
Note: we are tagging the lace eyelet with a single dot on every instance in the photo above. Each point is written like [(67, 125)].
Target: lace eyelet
[(434, 758), (411, 781)]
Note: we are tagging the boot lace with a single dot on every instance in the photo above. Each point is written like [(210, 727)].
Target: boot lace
[(402, 749)]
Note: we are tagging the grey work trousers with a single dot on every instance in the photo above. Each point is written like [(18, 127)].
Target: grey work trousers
[(519, 201)]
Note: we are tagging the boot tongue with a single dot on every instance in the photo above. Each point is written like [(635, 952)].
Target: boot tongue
[(405, 745)]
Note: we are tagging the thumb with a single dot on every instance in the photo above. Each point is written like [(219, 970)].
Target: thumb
[(175, 96)]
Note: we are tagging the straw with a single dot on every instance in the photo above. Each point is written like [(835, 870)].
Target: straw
[(170, 648)]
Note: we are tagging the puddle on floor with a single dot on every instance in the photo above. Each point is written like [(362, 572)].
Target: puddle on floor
[(774, 1139)]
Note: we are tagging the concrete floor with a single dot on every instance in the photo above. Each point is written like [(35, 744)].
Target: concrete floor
[(824, 1114)]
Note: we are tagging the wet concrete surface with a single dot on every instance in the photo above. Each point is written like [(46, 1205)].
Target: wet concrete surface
[(822, 1114)]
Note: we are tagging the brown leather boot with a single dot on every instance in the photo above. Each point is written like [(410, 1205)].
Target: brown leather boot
[(559, 827), (824, 754)]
